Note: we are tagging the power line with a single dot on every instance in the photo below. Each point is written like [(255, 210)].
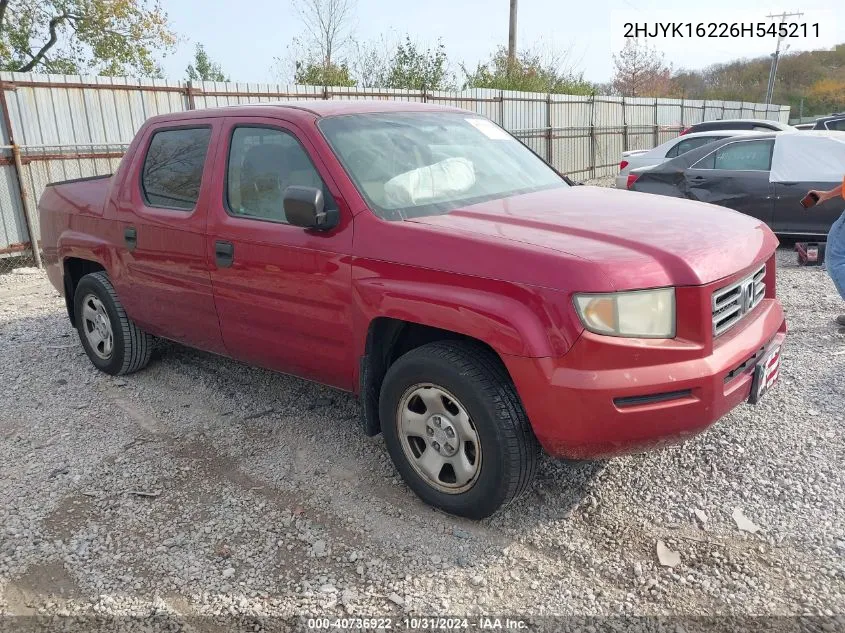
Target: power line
[(770, 89)]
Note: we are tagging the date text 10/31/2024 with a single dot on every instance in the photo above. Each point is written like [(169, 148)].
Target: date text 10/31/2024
[(484, 623)]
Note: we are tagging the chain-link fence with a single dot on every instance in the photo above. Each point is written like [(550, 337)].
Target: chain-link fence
[(61, 127)]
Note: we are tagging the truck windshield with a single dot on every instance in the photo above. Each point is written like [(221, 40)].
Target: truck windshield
[(411, 164)]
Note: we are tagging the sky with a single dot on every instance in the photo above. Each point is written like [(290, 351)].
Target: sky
[(246, 36)]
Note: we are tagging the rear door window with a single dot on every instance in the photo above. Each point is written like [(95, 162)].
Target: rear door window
[(173, 167), (689, 144), (837, 124), (740, 156)]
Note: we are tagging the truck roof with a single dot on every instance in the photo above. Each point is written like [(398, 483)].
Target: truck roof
[(311, 108)]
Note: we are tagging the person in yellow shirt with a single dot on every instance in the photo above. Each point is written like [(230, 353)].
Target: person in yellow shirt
[(835, 249)]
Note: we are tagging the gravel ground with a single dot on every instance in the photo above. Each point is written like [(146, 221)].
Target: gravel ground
[(202, 486)]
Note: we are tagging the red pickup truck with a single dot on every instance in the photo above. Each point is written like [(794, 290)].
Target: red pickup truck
[(477, 302)]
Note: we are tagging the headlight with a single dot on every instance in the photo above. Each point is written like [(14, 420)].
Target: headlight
[(637, 314)]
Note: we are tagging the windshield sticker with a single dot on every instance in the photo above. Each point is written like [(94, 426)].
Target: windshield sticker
[(489, 129)]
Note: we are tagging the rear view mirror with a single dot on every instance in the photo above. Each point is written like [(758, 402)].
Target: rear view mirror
[(305, 207)]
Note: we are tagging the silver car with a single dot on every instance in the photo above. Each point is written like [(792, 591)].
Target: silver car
[(637, 158)]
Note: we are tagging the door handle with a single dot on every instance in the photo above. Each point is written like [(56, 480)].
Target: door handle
[(224, 254), (130, 236)]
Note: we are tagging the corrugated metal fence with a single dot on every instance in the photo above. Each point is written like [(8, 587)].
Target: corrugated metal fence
[(56, 127)]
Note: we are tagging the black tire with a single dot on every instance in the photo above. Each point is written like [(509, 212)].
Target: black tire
[(479, 380), (131, 348)]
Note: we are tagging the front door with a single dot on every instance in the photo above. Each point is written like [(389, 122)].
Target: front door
[(735, 175), (163, 279), (283, 293)]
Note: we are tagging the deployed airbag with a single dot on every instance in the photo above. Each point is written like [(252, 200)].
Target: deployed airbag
[(426, 184)]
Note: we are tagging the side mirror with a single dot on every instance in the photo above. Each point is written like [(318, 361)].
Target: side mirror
[(305, 207)]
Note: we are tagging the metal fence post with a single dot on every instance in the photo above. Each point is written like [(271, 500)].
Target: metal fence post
[(28, 214), (189, 92), (549, 128), (593, 160), (682, 116), (624, 127), (656, 140)]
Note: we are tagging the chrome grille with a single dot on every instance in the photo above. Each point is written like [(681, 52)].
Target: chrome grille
[(733, 302)]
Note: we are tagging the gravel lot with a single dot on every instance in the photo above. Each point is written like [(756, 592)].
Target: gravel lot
[(202, 486)]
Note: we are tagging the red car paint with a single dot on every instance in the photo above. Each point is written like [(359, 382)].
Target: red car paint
[(502, 272)]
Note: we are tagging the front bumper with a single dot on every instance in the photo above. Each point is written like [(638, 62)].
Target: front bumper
[(579, 410)]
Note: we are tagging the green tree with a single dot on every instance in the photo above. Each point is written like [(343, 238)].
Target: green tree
[(811, 77), (203, 69), (827, 95), (416, 69), (111, 37), (317, 74), (531, 71)]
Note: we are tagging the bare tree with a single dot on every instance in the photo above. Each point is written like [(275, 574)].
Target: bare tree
[(370, 60), (641, 71), (328, 24)]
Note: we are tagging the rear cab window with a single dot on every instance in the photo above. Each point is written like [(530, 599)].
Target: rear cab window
[(173, 167)]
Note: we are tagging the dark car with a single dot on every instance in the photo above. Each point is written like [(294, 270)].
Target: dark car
[(756, 125), (761, 175), (835, 121)]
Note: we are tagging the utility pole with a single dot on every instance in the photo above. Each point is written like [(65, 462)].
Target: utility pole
[(770, 89), (512, 36)]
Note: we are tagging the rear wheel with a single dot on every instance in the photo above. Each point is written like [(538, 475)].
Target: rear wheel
[(112, 341), (455, 428)]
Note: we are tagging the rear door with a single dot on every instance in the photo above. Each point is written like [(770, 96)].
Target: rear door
[(283, 293), (791, 217), (736, 175), (162, 210)]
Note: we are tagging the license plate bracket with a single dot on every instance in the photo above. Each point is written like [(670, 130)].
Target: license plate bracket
[(766, 373)]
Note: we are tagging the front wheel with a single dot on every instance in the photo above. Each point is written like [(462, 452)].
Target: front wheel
[(112, 341), (455, 428)]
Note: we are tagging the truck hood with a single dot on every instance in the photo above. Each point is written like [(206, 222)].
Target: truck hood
[(637, 240)]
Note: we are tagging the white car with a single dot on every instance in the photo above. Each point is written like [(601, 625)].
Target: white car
[(638, 158)]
